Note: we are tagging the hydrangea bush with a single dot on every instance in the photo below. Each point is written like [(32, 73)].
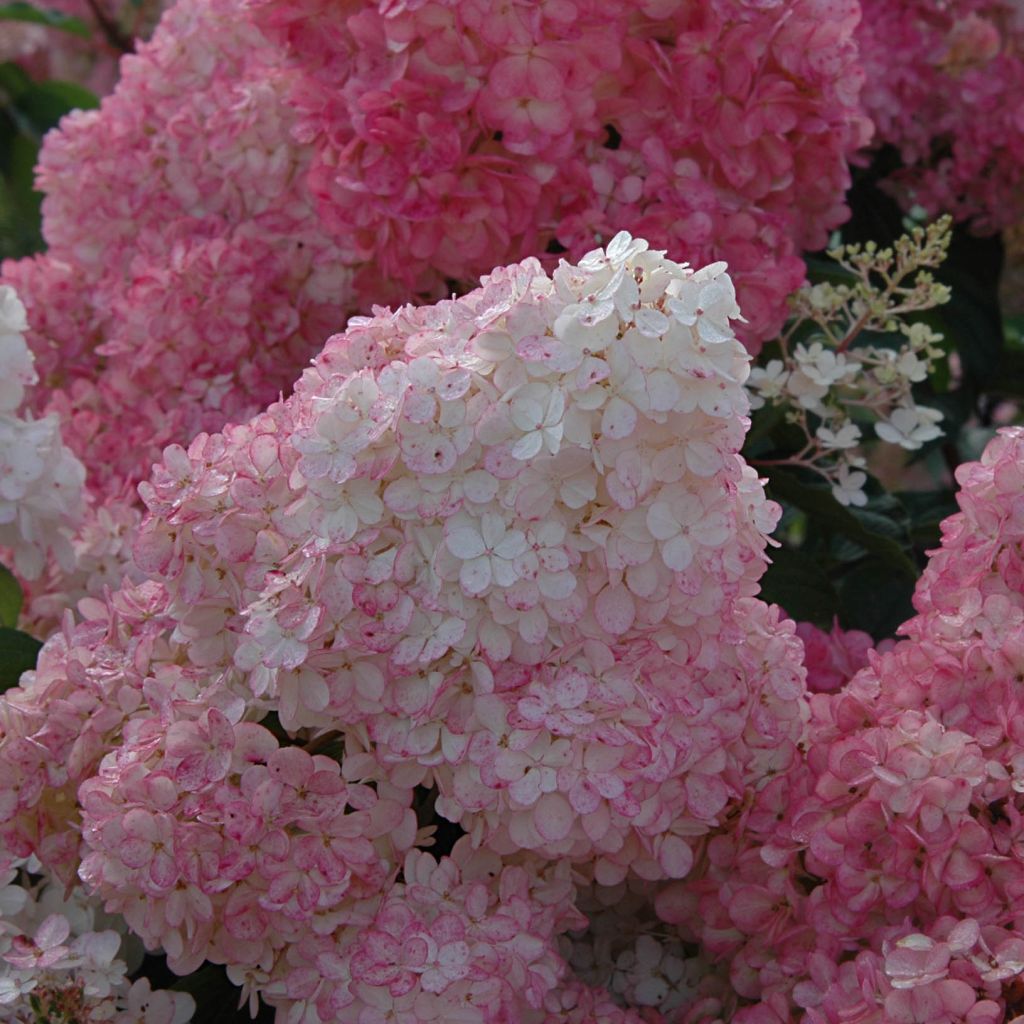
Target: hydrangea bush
[(495, 564), (448, 671)]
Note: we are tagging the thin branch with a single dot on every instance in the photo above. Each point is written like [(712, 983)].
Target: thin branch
[(111, 32)]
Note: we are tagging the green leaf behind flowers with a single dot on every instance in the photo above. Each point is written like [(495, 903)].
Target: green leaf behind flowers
[(21, 11), (18, 653)]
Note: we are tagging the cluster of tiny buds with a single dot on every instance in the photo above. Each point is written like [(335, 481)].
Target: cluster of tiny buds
[(852, 354)]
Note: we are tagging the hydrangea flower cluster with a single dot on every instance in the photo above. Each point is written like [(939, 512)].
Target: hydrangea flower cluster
[(462, 136), (942, 83), (495, 544), (834, 658), (56, 965), (175, 291), (879, 881), (40, 480), (830, 382), (245, 188), (186, 280), (501, 552)]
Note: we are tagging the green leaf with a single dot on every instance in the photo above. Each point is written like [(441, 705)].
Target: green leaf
[(798, 583), (45, 103), (875, 599), (10, 598), (821, 269), (216, 998), (972, 319), (863, 527), (927, 510), (1010, 379), (18, 653), (1013, 330), (13, 79), (20, 204), (20, 11), (763, 423)]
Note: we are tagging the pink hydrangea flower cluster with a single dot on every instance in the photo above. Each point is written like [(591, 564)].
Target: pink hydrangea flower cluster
[(879, 881), (257, 176), (500, 552), (449, 136), (834, 658), (475, 530), (942, 85), (186, 280), (181, 262)]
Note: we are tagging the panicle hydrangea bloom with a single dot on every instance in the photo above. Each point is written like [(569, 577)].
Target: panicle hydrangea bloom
[(942, 84), (216, 843), (502, 548), (449, 136), (54, 954), (893, 860), (835, 370), (40, 480), (186, 279), (180, 271), (477, 532)]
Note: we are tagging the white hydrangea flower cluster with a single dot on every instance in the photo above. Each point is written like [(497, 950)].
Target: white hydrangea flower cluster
[(55, 966), (40, 480), (507, 544), (834, 384)]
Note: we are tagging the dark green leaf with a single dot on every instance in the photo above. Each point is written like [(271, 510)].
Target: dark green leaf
[(24, 156), (762, 423), (13, 79), (10, 598), (52, 19), (216, 998), (971, 320), (18, 653), (878, 523), (821, 269), (874, 215), (927, 509), (45, 103), (1011, 374), (798, 582), (1013, 330), (862, 527), (875, 598), (20, 205)]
